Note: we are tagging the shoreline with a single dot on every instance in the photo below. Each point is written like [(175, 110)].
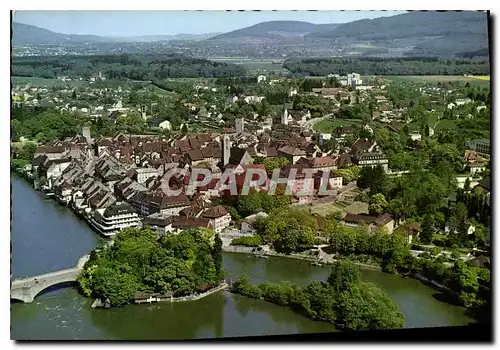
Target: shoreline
[(164, 299), (248, 250)]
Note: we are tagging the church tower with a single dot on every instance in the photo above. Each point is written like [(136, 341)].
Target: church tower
[(240, 125), (284, 117), (226, 149)]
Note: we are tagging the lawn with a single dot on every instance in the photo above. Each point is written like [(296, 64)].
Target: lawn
[(445, 124), (328, 125), (326, 209), (357, 208), (432, 119)]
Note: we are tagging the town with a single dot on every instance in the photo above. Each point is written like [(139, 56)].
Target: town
[(121, 181), (333, 175)]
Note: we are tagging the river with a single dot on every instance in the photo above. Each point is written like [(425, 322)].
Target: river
[(47, 237)]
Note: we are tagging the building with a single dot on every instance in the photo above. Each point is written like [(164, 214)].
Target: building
[(293, 154), (462, 101), (410, 230), (249, 221), (261, 78), (453, 227), (52, 152), (174, 224), (384, 221), (239, 125), (354, 79), (114, 218), (218, 216), (480, 146), (147, 204), (372, 159), (226, 149), (143, 174), (415, 136)]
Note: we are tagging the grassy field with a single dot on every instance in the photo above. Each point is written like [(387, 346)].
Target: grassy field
[(479, 80), (328, 125), (445, 124), (482, 77), (432, 119), (39, 82)]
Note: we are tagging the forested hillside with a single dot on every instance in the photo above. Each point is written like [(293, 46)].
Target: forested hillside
[(135, 67), (380, 66)]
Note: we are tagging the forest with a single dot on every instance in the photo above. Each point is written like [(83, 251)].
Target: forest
[(134, 67), (381, 66)]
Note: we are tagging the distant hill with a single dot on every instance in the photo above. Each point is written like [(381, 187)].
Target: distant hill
[(25, 34), (274, 29), (428, 32), (151, 38)]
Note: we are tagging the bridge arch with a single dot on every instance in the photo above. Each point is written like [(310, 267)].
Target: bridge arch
[(45, 288), (28, 288)]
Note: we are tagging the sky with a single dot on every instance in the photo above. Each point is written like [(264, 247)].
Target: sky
[(135, 23)]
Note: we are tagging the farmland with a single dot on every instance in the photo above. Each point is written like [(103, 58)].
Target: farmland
[(479, 80), (35, 81)]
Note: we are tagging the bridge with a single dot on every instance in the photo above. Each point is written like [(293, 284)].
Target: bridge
[(27, 289)]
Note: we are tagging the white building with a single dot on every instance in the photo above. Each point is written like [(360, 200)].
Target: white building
[(114, 218), (143, 174), (462, 101), (218, 216), (165, 125), (261, 78), (56, 168), (354, 79), (416, 136)]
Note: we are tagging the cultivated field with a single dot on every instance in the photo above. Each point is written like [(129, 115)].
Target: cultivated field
[(481, 80)]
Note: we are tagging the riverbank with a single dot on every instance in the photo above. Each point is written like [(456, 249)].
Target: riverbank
[(326, 259), (143, 298), (48, 237)]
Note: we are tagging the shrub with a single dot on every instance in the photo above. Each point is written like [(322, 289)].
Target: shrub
[(248, 241)]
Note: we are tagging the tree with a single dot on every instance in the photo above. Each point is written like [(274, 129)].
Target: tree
[(73, 95), (428, 229), (343, 275), (377, 204), (217, 255), (460, 213), (365, 306), (467, 185)]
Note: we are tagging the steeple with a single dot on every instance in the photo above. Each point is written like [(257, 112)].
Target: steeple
[(284, 116), (226, 149)]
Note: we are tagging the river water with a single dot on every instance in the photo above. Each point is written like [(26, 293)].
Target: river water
[(47, 237)]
